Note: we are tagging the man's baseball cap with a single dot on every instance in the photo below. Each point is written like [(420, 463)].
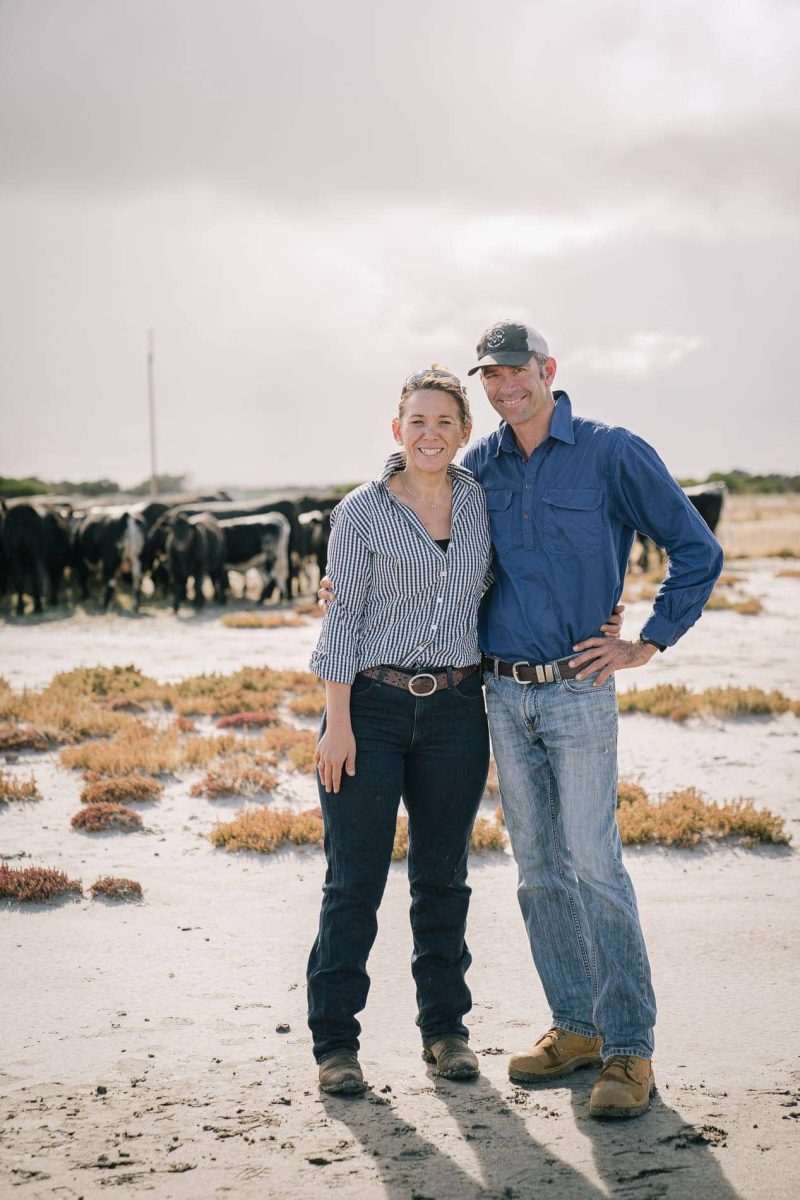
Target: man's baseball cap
[(509, 344)]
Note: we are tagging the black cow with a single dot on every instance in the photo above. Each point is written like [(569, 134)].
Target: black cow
[(261, 541), (195, 547), (155, 508), (111, 541), (37, 546), (707, 498)]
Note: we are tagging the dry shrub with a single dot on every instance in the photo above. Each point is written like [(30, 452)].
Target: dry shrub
[(684, 818), (492, 782), (183, 724), (487, 835), (247, 720), (125, 684), (265, 830), (115, 887), (301, 754), (156, 752), (19, 737), (121, 789), (236, 777), (286, 741), (251, 689), (788, 574), (35, 884), (97, 818), (309, 608), (400, 846), (751, 606), (58, 716), (309, 704), (629, 793), (499, 815), (257, 620), (13, 788), (678, 702)]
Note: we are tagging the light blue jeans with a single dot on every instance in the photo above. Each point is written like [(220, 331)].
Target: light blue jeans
[(555, 746)]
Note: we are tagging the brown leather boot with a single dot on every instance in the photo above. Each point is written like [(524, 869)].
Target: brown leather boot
[(624, 1087), (557, 1052), (453, 1058), (341, 1073)]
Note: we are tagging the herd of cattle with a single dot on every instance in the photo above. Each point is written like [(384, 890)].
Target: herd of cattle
[(175, 539), (171, 539)]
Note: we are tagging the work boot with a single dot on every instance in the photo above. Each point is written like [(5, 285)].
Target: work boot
[(557, 1052), (624, 1087), (341, 1073), (452, 1057)]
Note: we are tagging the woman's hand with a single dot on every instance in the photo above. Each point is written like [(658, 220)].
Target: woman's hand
[(614, 627), (335, 749)]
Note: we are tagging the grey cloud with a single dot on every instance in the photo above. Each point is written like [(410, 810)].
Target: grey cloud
[(324, 106)]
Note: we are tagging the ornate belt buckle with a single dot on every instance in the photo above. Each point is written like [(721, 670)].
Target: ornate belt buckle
[(522, 663), (422, 675)]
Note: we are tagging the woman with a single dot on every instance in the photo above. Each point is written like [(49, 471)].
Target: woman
[(408, 556)]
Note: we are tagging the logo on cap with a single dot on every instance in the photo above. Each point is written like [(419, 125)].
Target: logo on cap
[(495, 338)]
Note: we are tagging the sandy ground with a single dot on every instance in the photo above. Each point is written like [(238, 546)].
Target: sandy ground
[(140, 1048)]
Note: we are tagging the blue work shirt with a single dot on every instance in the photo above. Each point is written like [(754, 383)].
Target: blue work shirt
[(562, 524)]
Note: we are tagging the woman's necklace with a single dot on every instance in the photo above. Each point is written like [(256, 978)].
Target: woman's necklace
[(419, 499)]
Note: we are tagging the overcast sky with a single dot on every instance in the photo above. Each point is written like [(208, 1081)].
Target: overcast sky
[(308, 201)]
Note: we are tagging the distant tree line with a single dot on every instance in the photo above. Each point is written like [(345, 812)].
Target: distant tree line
[(11, 488), (736, 482), (740, 482)]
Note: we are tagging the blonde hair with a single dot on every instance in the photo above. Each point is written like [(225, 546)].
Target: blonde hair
[(436, 378)]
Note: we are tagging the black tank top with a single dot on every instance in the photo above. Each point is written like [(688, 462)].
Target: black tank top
[(442, 543)]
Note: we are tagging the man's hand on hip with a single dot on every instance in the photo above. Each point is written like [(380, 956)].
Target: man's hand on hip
[(325, 592), (609, 654)]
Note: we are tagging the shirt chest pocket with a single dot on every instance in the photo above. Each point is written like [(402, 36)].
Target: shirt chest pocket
[(573, 520), (500, 508)]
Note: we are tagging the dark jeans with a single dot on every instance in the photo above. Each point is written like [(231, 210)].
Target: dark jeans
[(434, 752)]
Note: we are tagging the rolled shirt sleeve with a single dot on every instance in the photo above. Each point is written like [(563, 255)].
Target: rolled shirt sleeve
[(648, 499), (350, 570)]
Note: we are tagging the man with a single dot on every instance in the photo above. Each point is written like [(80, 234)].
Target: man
[(565, 496)]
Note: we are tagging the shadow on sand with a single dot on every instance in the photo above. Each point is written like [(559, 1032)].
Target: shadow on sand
[(655, 1157)]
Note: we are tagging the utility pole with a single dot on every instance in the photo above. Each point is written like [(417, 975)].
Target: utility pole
[(151, 398)]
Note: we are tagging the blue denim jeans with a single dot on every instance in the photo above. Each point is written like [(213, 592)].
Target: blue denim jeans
[(434, 752), (556, 751)]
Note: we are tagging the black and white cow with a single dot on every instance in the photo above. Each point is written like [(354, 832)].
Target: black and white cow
[(251, 508), (315, 531), (111, 541), (195, 547), (37, 546), (707, 498), (260, 541)]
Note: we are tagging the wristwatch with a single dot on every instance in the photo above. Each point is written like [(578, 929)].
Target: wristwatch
[(648, 641)]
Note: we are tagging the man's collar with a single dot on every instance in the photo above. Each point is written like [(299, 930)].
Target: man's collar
[(560, 426)]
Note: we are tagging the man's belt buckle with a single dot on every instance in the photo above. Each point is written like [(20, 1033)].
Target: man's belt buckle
[(514, 675), (422, 675)]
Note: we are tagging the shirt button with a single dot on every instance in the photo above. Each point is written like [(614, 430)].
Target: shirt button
[(433, 626), (524, 516), (527, 487)]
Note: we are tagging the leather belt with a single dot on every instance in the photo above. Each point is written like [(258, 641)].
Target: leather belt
[(525, 672), (424, 683)]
